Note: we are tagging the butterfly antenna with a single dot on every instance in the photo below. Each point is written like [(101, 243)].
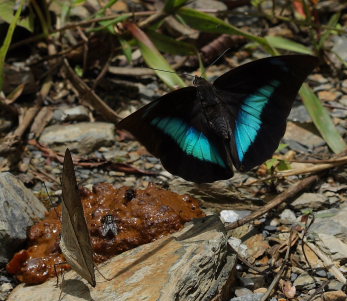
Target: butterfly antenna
[(183, 73), (216, 60), (50, 200)]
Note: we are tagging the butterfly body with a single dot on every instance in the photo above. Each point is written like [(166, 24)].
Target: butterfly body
[(200, 132)]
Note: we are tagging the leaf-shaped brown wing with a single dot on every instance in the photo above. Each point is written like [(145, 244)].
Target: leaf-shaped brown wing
[(75, 241)]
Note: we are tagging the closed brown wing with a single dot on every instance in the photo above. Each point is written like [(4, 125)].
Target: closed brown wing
[(75, 241)]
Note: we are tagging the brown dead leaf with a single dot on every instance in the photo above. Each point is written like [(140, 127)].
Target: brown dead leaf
[(257, 245)]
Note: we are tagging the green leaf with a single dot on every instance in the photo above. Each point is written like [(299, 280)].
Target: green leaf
[(283, 43), (109, 24), (333, 22), (7, 42), (169, 45), (208, 23), (280, 147), (154, 59), (7, 14), (283, 165), (322, 120), (126, 49), (172, 5), (271, 163)]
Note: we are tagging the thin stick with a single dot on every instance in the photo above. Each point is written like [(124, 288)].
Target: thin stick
[(289, 193), (300, 171), (279, 274), (327, 262)]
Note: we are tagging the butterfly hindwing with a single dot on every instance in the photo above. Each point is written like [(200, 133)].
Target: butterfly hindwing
[(262, 93), (173, 129)]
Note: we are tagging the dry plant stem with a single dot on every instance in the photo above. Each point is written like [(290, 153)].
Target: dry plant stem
[(103, 72), (77, 24), (12, 138), (289, 193), (327, 262), (279, 274), (151, 19), (127, 71), (299, 171), (319, 290), (89, 96)]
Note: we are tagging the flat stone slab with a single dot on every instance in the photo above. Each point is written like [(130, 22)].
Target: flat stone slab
[(193, 264), (19, 208)]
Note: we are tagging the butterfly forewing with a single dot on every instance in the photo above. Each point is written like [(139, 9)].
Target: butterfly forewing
[(75, 241), (263, 93), (173, 129)]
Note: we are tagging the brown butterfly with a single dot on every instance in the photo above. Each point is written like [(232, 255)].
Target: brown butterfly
[(75, 241)]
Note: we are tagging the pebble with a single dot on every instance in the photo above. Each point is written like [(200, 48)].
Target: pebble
[(270, 228), (252, 281), (305, 281), (5, 290), (335, 285), (309, 200), (238, 246), (83, 137), (287, 217), (321, 273), (252, 297), (334, 296), (329, 95), (299, 114), (242, 291), (68, 113)]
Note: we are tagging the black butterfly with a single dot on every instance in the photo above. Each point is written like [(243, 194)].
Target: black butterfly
[(200, 132)]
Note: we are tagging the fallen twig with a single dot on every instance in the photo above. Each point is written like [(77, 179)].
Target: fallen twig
[(300, 171), (88, 95), (279, 274), (327, 262), (289, 193)]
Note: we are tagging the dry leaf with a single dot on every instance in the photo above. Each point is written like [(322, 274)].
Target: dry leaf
[(288, 289), (75, 241)]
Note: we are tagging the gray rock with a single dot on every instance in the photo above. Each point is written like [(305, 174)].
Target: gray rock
[(302, 136), (231, 216), (335, 285), (321, 273), (81, 137), (242, 291), (287, 217), (306, 281), (334, 246), (310, 200), (18, 209), (67, 113), (252, 281), (5, 290), (208, 4), (340, 46), (252, 297), (331, 222), (299, 114), (193, 264)]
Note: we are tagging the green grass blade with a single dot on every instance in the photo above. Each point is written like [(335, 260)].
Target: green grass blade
[(154, 59), (208, 23), (322, 120), (4, 48), (285, 44), (169, 45)]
